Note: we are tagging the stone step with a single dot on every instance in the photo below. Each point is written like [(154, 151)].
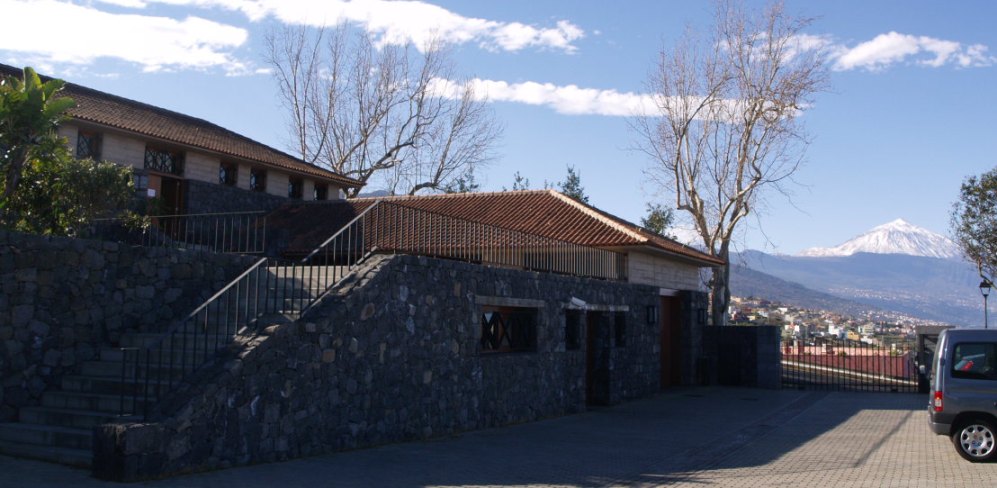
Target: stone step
[(176, 340), (189, 356), (81, 458), (64, 417), (112, 369), (46, 435), (75, 400), (112, 385)]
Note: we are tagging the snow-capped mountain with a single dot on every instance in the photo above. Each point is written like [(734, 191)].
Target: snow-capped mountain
[(897, 237)]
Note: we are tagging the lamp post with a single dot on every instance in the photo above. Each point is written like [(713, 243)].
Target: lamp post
[(985, 286)]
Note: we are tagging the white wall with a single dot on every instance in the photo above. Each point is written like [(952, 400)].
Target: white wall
[(130, 151), (650, 269)]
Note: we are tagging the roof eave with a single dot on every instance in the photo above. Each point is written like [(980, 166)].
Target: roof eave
[(343, 181), (705, 262)]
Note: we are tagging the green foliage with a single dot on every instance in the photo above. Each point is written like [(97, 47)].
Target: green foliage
[(519, 183), (44, 189), (29, 115), (61, 195), (572, 186), (974, 221), (465, 183), (658, 219)]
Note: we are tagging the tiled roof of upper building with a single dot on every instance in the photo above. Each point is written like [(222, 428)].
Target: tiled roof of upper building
[(542, 212), (128, 115)]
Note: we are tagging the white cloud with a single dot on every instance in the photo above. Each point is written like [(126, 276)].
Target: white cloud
[(567, 99), (891, 48), (78, 35), (400, 22)]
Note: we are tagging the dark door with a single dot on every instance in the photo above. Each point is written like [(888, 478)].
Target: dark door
[(597, 350), (172, 196), (671, 342)]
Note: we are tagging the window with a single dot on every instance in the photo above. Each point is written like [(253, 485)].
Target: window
[(620, 328), (975, 361), (88, 145), (508, 329), (228, 173), (573, 329), (164, 161), (141, 182), (258, 179), (321, 191), (295, 187)]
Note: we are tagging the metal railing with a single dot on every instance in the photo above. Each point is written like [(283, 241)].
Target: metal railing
[(393, 227), (232, 232), (155, 367), (843, 365)]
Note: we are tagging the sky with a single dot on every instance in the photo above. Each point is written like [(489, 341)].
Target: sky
[(907, 116)]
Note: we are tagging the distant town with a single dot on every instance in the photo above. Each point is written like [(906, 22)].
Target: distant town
[(878, 328)]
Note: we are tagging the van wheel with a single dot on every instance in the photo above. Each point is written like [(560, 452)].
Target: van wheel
[(975, 441)]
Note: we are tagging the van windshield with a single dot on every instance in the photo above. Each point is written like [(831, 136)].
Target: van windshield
[(975, 360)]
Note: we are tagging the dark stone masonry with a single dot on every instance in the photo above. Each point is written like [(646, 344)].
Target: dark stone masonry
[(62, 300), (395, 355), (203, 197)]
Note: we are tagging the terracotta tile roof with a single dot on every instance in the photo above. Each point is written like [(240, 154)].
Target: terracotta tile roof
[(128, 115), (541, 212)]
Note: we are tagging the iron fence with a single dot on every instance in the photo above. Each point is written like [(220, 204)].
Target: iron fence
[(394, 227), (845, 365), (233, 232)]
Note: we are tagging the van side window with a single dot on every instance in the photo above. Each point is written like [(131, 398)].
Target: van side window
[(975, 361)]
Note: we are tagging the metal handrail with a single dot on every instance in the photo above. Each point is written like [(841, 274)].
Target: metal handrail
[(268, 286), (336, 234), (227, 232)]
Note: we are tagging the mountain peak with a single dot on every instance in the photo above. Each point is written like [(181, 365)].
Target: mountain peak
[(898, 224), (896, 237)]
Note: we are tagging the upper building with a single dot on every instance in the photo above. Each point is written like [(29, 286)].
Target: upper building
[(650, 258), (190, 164)]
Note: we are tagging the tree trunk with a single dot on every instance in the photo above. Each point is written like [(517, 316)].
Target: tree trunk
[(720, 289)]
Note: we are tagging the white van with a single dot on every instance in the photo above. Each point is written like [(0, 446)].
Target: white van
[(963, 401)]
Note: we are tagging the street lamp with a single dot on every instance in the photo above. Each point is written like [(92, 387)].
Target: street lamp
[(985, 286)]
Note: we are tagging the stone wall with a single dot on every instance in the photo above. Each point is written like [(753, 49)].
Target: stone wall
[(203, 197), (62, 300), (394, 356), (743, 356)]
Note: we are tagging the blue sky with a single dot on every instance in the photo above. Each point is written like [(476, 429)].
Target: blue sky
[(908, 115)]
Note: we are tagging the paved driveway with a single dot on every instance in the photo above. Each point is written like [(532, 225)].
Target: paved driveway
[(696, 437)]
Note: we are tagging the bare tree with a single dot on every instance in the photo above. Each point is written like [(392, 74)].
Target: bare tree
[(379, 113), (725, 127)]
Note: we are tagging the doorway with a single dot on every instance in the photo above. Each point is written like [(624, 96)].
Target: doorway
[(671, 341), (597, 358)]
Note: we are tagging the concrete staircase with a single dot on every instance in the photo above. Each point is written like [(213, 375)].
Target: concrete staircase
[(61, 429)]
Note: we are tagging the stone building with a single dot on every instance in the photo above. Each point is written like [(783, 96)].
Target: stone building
[(191, 165), (368, 321)]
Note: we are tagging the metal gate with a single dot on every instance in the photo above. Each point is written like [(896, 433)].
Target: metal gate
[(845, 365)]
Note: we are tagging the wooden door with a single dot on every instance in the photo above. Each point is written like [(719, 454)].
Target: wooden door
[(670, 319)]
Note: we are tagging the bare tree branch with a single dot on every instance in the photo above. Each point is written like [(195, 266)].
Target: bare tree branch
[(370, 112), (727, 126)]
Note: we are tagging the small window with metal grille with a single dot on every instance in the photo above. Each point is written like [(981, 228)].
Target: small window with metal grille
[(164, 161), (295, 188), (508, 329), (88, 145), (228, 173), (258, 179)]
